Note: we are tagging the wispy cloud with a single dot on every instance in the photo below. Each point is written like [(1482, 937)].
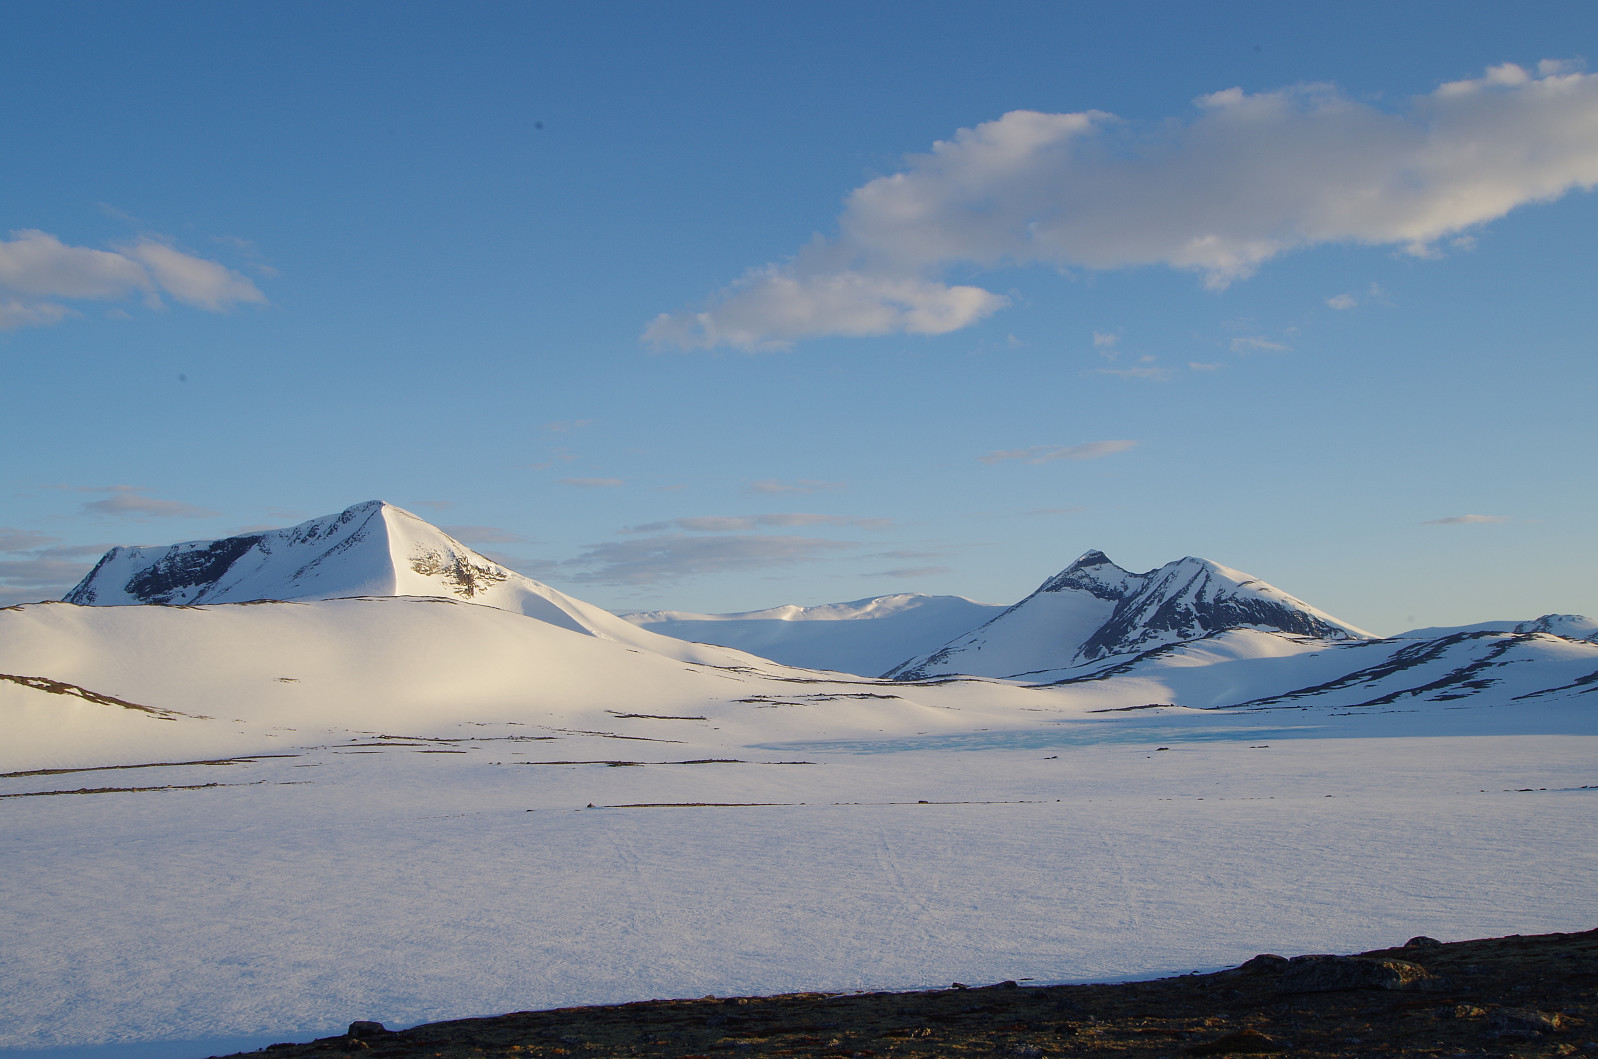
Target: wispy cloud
[(1342, 301), (40, 567), (911, 571), (1150, 371), (1092, 450), (38, 270), (1245, 178), (673, 557), (1256, 344), (1466, 520), (593, 483), (475, 535), (15, 540), (126, 500), (745, 523), (802, 485)]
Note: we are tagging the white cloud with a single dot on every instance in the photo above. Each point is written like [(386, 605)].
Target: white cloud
[(194, 280), (1248, 177), (14, 313), (592, 483), (772, 307), (1342, 301), (1466, 520), (1047, 453), (36, 266)]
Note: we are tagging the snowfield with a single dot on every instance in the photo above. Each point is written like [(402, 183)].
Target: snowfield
[(238, 822)]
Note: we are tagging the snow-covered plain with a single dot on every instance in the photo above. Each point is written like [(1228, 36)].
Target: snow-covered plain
[(241, 822)]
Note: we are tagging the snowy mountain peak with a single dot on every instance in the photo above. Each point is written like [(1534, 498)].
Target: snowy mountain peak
[(369, 549), (1093, 610), (1570, 626), (1192, 598), (1093, 573)]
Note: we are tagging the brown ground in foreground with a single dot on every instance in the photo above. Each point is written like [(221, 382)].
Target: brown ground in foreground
[(1515, 996)]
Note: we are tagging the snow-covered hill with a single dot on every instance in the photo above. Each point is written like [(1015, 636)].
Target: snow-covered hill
[(1093, 612), (370, 549), (865, 636)]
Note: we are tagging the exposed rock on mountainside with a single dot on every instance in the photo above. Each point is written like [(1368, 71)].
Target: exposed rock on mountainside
[(1093, 610)]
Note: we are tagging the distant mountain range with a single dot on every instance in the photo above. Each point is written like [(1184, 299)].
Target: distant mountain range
[(1191, 632), (865, 636)]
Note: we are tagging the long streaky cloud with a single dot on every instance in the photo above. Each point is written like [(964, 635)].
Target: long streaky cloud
[(1048, 453), (745, 523), (1247, 178), (1466, 520), (36, 267)]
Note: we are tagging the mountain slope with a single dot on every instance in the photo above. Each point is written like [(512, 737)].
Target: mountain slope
[(1093, 611), (864, 636), (369, 549)]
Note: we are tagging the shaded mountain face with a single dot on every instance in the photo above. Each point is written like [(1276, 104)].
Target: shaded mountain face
[(324, 556), (1094, 611)]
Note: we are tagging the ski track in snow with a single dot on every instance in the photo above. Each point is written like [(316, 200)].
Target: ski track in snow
[(384, 883)]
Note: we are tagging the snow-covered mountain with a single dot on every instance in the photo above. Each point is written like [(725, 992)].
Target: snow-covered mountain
[(865, 636), (1093, 611), (370, 549)]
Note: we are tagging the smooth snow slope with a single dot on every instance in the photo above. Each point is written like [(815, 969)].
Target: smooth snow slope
[(863, 636), (369, 549)]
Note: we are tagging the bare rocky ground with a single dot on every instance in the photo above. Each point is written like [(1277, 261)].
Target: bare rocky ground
[(1518, 996)]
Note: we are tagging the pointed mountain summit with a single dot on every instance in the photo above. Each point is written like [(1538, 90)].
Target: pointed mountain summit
[(370, 549), (1094, 611)]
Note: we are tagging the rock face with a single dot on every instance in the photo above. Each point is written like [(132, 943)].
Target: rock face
[(1093, 610), (1330, 974)]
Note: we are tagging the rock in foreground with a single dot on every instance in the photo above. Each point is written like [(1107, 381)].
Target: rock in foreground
[(1521, 996)]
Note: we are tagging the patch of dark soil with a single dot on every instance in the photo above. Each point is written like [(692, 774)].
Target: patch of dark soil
[(146, 765), (61, 687), (1520, 996)]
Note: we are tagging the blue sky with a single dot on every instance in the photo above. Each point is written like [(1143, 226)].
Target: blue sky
[(721, 306)]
